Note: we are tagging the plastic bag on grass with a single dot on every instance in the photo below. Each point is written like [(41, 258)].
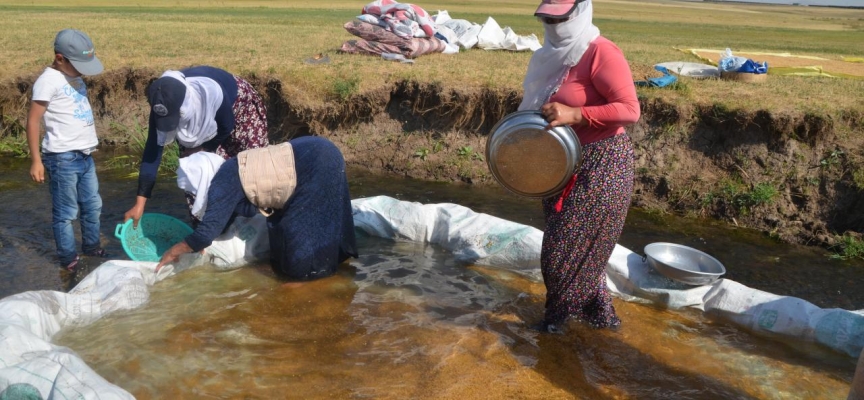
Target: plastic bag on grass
[(441, 17), (663, 81), (465, 31), (730, 63), (753, 67)]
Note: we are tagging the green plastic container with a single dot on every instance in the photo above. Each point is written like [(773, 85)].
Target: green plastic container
[(156, 233)]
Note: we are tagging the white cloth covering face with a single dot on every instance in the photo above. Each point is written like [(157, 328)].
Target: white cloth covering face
[(563, 47), (194, 176), (197, 114)]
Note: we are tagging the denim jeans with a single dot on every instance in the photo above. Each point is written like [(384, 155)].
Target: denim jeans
[(74, 188)]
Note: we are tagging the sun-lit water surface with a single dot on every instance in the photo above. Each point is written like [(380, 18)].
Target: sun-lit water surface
[(405, 321)]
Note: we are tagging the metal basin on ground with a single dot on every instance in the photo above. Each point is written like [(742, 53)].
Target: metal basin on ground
[(684, 264), (529, 160)]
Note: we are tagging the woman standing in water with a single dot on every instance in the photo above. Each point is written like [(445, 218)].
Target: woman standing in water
[(580, 78), (204, 109)]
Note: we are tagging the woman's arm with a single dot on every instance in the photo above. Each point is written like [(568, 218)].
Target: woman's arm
[(147, 171), (246, 209), (611, 77), (223, 196), (173, 254), (150, 161), (224, 126)]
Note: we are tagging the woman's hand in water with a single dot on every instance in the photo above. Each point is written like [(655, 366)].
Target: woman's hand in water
[(173, 254)]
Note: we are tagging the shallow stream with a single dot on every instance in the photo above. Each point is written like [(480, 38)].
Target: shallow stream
[(405, 320)]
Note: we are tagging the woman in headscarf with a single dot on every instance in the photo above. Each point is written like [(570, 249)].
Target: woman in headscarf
[(299, 185), (580, 78), (204, 109)]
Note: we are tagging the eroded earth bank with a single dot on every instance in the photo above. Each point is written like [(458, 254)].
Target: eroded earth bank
[(796, 176)]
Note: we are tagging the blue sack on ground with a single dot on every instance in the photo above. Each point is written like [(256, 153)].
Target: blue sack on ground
[(663, 81), (754, 67)]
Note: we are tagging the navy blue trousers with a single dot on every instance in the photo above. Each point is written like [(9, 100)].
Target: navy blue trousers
[(314, 232)]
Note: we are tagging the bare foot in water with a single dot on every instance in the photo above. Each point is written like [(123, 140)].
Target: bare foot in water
[(292, 285)]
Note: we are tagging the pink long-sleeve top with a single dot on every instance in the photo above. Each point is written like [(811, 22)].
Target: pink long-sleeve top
[(602, 85)]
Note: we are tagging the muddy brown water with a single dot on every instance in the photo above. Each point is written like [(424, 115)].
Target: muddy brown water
[(406, 321)]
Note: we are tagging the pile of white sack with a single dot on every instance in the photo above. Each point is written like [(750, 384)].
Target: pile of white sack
[(489, 36)]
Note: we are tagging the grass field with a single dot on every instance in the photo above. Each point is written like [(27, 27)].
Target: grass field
[(275, 37)]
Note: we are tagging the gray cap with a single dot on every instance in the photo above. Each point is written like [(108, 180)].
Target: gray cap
[(77, 47)]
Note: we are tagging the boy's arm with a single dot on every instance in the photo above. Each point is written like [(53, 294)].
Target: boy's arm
[(34, 133)]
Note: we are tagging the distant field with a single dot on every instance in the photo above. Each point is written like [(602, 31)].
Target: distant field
[(275, 37)]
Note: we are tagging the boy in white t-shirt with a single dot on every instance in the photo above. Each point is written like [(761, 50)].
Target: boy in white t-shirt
[(60, 99)]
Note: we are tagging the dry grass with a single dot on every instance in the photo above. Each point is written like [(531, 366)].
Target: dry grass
[(275, 37)]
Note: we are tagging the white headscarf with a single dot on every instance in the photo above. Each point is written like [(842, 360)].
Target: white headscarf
[(563, 47), (194, 175), (198, 112)]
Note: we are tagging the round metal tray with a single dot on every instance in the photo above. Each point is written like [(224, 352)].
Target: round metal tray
[(683, 264), (529, 160)]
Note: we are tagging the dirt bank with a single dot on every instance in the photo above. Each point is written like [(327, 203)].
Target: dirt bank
[(796, 176)]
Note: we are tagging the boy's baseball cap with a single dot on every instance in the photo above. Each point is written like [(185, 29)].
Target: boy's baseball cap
[(77, 47), (166, 95), (559, 9)]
